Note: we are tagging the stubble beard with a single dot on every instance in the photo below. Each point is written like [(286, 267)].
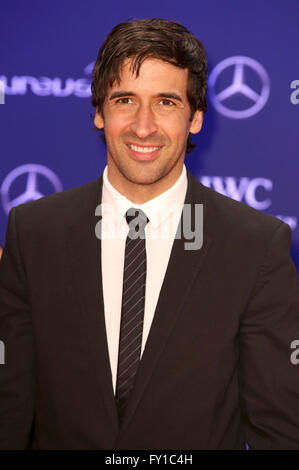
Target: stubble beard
[(142, 173)]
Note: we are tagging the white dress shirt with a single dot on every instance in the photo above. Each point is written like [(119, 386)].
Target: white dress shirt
[(163, 212)]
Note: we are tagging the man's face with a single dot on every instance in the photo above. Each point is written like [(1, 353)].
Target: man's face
[(146, 124)]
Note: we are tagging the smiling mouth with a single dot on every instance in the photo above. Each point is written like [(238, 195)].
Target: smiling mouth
[(145, 150)]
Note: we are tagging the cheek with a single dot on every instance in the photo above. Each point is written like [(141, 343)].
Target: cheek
[(176, 129), (115, 126), (113, 129)]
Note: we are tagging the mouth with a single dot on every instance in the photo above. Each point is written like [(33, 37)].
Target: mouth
[(142, 152)]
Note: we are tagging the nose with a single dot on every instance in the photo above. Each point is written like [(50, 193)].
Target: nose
[(143, 124)]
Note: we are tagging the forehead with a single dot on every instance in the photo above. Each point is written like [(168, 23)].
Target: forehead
[(154, 76)]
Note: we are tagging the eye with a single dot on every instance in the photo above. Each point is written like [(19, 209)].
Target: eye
[(123, 100), (167, 102)]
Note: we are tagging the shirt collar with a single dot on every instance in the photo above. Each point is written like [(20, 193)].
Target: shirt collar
[(157, 209)]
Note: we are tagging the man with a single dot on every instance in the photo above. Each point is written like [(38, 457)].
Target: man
[(144, 341)]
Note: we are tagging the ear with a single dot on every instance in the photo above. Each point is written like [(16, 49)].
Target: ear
[(196, 123), (98, 120)]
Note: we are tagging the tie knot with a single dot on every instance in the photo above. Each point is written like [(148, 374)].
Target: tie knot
[(136, 219)]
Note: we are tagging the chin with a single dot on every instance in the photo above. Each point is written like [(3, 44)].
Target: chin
[(146, 179)]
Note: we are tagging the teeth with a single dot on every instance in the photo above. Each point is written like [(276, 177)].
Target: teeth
[(142, 149)]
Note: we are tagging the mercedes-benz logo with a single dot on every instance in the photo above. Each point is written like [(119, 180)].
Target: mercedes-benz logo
[(239, 86), (31, 193)]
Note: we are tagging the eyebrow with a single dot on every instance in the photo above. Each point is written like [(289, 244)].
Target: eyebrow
[(123, 93)]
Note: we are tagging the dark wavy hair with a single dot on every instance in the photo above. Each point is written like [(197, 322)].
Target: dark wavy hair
[(151, 38)]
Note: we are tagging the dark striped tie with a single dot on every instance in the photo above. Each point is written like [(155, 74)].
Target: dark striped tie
[(132, 312)]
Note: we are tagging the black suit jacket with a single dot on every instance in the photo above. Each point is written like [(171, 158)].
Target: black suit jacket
[(216, 370)]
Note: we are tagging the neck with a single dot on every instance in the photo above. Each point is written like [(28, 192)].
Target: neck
[(141, 192)]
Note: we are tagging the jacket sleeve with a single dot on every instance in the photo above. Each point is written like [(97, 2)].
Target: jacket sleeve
[(269, 376), (17, 374)]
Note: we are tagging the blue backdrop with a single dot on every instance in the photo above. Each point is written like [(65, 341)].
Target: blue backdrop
[(248, 148)]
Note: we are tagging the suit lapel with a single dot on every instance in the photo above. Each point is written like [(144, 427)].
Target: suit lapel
[(84, 251), (183, 267)]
